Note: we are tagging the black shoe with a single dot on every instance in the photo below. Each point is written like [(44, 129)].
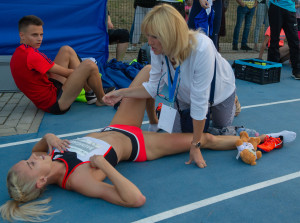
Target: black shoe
[(245, 47), (235, 47), (296, 76), (109, 89), (90, 98)]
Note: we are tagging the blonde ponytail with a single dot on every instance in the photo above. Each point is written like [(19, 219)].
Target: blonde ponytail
[(22, 191)]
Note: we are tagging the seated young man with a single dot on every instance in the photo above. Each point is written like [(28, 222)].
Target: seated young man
[(52, 86)]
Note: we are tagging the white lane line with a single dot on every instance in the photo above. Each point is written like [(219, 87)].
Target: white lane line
[(212, 200), (60, 136), (271, 103), (38, 139), (145, 122)]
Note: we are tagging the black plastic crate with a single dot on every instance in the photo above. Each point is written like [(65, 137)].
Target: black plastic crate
[(257, 71)]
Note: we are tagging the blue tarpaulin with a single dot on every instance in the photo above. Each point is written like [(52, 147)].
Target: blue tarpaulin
[(77, 23), (119, 74)]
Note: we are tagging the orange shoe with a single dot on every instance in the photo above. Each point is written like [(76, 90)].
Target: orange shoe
[(270, 143)]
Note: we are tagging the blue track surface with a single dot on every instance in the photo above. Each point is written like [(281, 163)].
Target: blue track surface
[(226, 191)]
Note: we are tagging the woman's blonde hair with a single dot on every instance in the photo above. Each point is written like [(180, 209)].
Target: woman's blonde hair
[(22, 190), (169, 27)]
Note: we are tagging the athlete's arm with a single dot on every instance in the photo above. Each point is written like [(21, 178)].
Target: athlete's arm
[(122, 192), (132, 92), (49, 141), (60, 70)]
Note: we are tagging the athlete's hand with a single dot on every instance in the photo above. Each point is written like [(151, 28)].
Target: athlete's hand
[(96, 161), (112, 97), (54, 142), (196, 156)]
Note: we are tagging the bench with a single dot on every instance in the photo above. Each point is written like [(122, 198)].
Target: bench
[(7, 83)]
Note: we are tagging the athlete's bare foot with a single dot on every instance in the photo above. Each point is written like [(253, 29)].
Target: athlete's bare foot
[(100, 103)]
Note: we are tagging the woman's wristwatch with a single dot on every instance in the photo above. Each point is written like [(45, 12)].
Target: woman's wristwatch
[(196, 144)]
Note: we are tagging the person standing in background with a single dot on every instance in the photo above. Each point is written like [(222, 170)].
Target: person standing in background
[(222, 32), (187, 9), (298, 17), (282, 15), (142, 7), (245, 11), (177, 4), (197, 7), (217, 7), (261, 17), (119, 37)]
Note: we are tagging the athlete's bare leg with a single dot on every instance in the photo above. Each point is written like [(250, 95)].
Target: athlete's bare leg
[(163, 144), (131, 110), (87, 71), (67, 57)]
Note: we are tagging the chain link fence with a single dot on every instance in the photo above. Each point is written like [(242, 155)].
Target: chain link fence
[(122, 16)]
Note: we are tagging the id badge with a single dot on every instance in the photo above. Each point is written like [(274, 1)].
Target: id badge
[(167, 118)]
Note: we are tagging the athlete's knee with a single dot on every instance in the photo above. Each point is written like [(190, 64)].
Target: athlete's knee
[(208, 140), (145, 72), (142, 76), (67, 52), (66, 49), (147, 68), (89, 66)]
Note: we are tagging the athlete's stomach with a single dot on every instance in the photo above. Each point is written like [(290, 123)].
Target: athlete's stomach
[(120, 142)]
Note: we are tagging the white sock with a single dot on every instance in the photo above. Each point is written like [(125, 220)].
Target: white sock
[(153, 128), (288, 136)]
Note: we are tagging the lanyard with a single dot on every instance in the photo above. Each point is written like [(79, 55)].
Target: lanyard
[(172, 84)]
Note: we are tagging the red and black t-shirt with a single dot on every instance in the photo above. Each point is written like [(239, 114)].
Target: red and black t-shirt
[(29, 67)]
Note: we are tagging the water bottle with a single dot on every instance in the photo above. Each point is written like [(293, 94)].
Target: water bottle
[(251, 132)]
